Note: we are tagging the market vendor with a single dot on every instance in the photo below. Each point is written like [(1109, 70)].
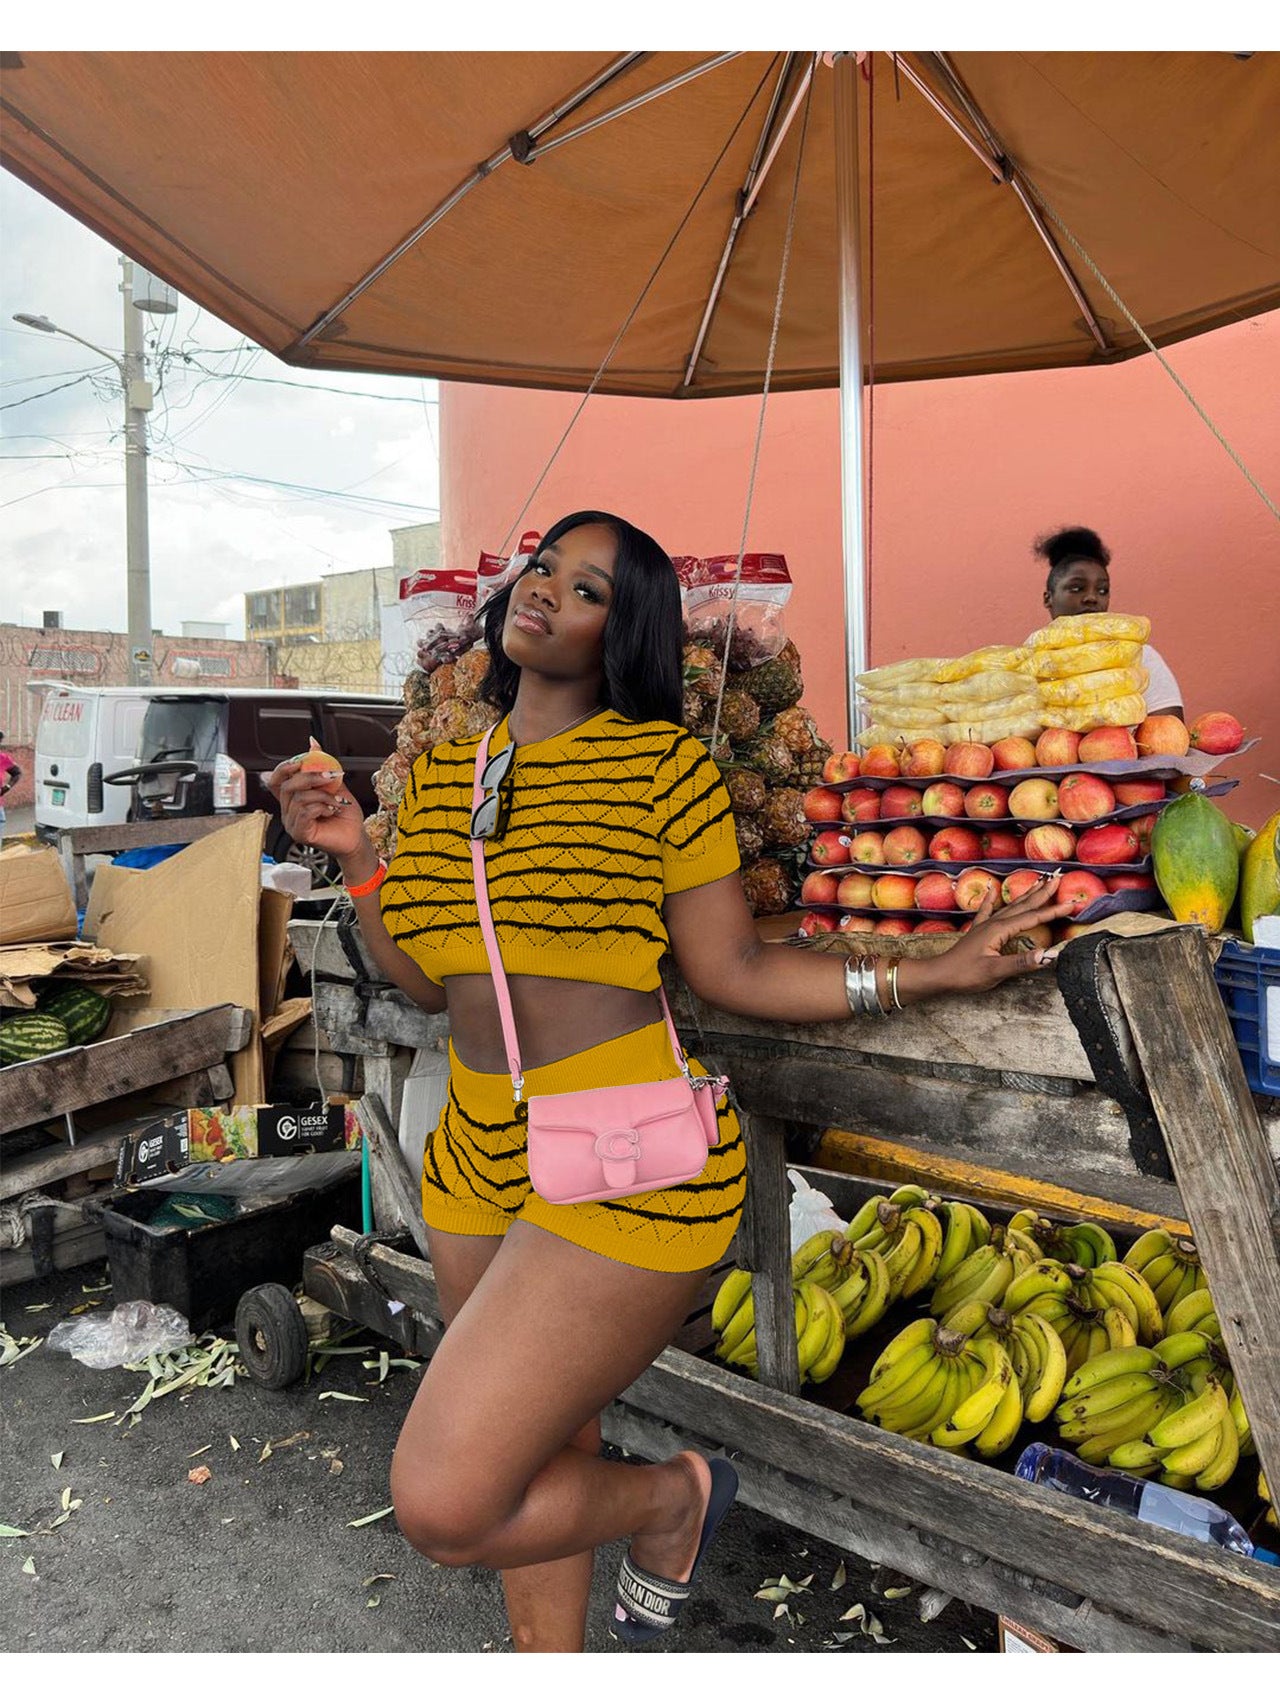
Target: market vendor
[(1079, 582)]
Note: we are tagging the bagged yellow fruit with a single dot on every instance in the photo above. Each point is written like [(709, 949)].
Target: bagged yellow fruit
[(984, 658), (1091, 625), (989, 729), (906, 713), (1098, 714), (894, 675), (1054, 661), (988, 685), (1022, 705), (1096, 685), (890, 734)]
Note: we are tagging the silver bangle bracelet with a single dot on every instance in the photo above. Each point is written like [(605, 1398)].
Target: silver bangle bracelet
[(853, 987), (874, 1004)]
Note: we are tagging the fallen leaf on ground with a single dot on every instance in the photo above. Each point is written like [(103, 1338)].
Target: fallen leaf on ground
[(841, 1576), (378, 1577), (200, 1475), (858, 1611), (33, 1308), (350, 1398), (235, 1444), (105, 1417), (28, 1567), (208, 1445), (373, 1600), (371, 1517), (897, 1593), (55, 1458), (972, 1646), (336, 1466)]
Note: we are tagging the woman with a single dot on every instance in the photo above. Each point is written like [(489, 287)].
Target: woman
[(614, 840), (1078, 581)]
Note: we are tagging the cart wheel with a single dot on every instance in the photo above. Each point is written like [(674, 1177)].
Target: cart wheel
[(271, 1335)]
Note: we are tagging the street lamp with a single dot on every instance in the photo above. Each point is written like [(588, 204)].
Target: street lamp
[(138, 398)]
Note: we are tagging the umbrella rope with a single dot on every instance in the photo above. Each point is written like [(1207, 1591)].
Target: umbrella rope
[(764, 398), (1177, 379), (636, 307)]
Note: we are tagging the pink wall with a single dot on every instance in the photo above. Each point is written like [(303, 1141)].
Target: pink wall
[(966, 472)]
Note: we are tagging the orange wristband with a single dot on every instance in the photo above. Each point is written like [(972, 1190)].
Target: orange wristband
[(370, 883)]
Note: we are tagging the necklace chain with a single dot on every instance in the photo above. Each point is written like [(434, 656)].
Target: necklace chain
[(573, 724)]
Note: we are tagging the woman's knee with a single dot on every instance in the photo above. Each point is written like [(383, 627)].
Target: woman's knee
[(444, 1512)]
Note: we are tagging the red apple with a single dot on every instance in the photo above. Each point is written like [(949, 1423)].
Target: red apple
[(924, 758), (1080, 888), (867, 848), (894, 891), (841, 767), (969, 758), (1014, 753), (1068, 933), (1108, 844), (822, 806), (1137, 793), (933, 927), (860, 806), (955, 843), (1128, 880), (881, 760), (1082, 798), (1142, 828), (898, 801), (1018, 883), (905, 846), (943, 800), (854, 890), (1029, 937), (1057, 747), (987, 800), (1000, 844), (830, 847), (1109, 742), (936, 893), (893, 927), (819, 886), (851, 923), (972, 887), (1162, 734), (1035, 798), (1216, 732), (815, 924), (1049, 842)]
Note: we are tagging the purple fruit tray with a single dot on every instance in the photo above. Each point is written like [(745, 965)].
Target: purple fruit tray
[(1151, 770)]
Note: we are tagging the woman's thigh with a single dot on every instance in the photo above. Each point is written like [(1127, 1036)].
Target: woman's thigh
[(459, 1260)]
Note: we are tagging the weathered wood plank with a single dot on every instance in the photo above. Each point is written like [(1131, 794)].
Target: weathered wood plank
[(149, 833), (317, 944), (57, 1162), (764, 1243), (1219, 1153), (335, 1280), (388, 1017), (66, 1239), (390, 1168)]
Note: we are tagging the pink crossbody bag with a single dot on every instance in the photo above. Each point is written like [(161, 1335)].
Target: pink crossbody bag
[(587, 1146)]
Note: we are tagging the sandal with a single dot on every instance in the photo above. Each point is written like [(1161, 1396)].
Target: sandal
[(648, 1605)]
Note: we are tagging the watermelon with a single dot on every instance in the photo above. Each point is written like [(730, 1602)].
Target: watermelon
[(26, 1037), (1197, 867), (83, 1011)]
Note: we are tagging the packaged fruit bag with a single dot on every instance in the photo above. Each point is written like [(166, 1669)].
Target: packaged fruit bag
[(759, 622)]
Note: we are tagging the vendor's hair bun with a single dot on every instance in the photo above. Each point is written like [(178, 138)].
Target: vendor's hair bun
[(1069, 545)]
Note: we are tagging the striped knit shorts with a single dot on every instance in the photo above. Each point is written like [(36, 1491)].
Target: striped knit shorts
[(475, 1175)]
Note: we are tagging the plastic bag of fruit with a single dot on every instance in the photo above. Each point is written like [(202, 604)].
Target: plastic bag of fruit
[(1089, 626), (439, 610), (1094, 685), (1127, 711), (1051, 662), (493, 573), (759, 620)]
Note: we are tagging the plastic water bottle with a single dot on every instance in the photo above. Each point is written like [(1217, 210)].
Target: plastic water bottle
[(1167, 1508)]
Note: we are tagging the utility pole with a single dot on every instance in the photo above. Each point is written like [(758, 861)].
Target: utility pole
[(138, 398)]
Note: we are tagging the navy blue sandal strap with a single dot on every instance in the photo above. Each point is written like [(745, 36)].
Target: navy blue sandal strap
[(649, 1598)]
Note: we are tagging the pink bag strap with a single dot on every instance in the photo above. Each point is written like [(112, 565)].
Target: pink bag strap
[(500, 987)]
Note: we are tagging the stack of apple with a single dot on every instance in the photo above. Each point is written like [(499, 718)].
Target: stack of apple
[(989, 815)]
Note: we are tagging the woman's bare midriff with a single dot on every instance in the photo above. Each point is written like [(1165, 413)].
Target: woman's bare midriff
[(554, 1018)]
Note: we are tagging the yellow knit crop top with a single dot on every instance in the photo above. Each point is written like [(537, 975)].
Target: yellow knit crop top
[(606, 820)]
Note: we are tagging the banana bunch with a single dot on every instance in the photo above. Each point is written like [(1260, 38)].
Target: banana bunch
[(1084, 1242), (857, 1280), (1093, 1310), (1038, 1356), (917, 1380), (1017, 1244), (820, 1329), (1264, 1493), (989, 1415), (1170, 1266), (983, 1277), (1194, 1311), (907, 1235), (1111, 1401), (964, 1230)]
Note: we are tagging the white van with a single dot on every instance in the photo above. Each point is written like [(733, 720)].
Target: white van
[(84, 735)]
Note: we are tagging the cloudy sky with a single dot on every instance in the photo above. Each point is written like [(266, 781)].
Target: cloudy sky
[(260, 474)]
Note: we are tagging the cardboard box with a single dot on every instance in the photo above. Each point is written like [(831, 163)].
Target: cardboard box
[(36, 903), (1021, 1639), (173, 1142)]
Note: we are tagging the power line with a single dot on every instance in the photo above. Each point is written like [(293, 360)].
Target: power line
[(19, 401)]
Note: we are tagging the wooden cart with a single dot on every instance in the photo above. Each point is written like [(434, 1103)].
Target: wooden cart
[(985, 1087)]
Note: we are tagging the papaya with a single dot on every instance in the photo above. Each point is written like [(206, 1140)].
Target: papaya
[(1197, 868), (1260, 876)]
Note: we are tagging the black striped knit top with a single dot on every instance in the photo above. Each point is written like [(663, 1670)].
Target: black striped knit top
[(606, 820)]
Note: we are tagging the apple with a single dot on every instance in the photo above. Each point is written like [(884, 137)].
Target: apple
[(1128, 880), (830, 847), (1000, 844), (854, 890), (1014, 753), (1057, 747), (819, 886), (892, 927), (1018, 883), (1035, 798), (1029, 937), (841, 767), (851, 923), (905, 846), (924, 758), (1108, 844), (936, 893), (1082, 797), (969, 758), (987, 800), (815, 924), (867, 848), (955, 843), (1137, 793), (933, 927), (1142, 828), (860, 806), (1080, 888), (972, 887), (1049, 842), (943, 800), (894, 891), (899, 801), (1162, 734), (1109, 742), (822, 806), (881, 760), (1216, 732)]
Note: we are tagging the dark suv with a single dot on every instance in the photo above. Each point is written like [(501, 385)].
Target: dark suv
[(201, 752)]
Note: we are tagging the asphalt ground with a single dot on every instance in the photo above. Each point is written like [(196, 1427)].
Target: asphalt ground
[(261, 1557)]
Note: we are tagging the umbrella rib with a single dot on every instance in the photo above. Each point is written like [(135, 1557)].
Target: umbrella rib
[(608, 75), (532, 154)]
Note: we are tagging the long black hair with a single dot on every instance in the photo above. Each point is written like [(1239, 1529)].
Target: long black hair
[(1068, 546), (643, 632)]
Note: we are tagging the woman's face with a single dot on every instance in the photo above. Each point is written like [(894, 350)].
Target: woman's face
[(555, 620), (1083, 586)]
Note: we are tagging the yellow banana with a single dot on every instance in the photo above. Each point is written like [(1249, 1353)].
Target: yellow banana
[(1177, 1350), (911, 1196), (903, 1255), (1196, 1312), (973, 1414), (1192, 1419), (903, 1413), (902, 1385), (1244, 1434), (1005, 1422), (1222, 1465), (733, 1289), (967, 1318), (1127, 1421), (738, 1327), (1107, 1396), (984, 1275), (1124, 1360), (1117, 1327), (865, 1219), (925, 1266), (811, 1337), (1156, 1242), (1185, 1483), (877, 1297), (1197, 1455), (954, 1389), (1035, 1284), (1089, 1244), (915, 1333), (1138, 1457), (825, 1364), (960, 1237), (819, 1256), (1045, 1386), (1119, 1277)]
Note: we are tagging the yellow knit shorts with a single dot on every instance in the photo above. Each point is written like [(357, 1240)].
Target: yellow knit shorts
[(475, 1175)]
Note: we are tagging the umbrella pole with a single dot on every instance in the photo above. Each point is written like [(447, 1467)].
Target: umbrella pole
[(852, 470)]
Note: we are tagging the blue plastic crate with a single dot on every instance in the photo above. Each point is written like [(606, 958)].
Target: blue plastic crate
[(1244, 974)]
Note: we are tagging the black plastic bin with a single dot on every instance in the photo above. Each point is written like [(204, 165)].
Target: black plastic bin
[(203, 1269)]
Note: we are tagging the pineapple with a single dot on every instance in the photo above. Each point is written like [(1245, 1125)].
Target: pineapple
[(750, 838), (381, 826), (412, 736), (739, 716), (777, 685), (767, 886), (809, 766), (449, 722), (441, 686), (772, 758), (417, 690), (699, 713), (702, 671), (469, 672), (783, 821), (797, 729), (746, 789)]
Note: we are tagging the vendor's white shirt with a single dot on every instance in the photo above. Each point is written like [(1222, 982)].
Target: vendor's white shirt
[(1162, 689)]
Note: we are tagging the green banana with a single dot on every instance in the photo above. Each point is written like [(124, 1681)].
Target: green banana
[(1192, 1419)]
